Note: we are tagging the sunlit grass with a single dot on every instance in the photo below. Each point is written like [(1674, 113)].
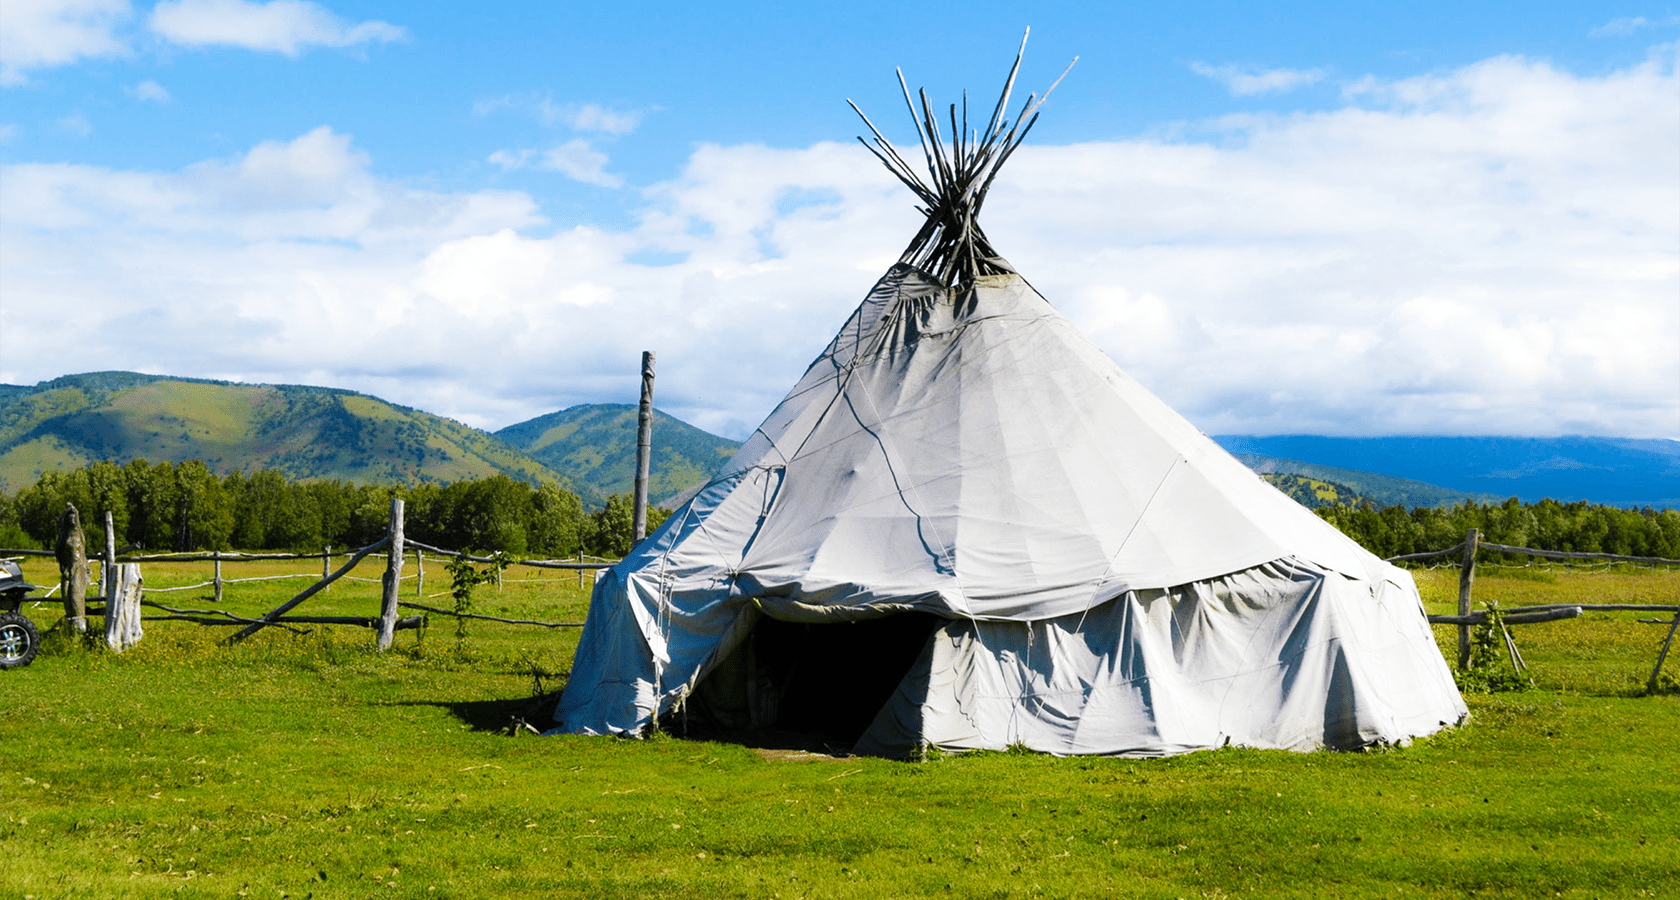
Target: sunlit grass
[(311, 766)]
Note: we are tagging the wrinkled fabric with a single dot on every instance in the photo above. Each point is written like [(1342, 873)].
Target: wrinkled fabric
[(971, 455), (1281, 656)]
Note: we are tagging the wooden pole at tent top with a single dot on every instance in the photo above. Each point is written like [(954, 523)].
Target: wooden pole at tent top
[(644, 446)]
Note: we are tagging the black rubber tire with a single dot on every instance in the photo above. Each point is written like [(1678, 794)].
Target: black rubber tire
[(19, 640)]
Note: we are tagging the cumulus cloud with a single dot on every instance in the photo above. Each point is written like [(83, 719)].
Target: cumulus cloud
[(44, 33), (1243, 83), (279, 26), (149, 91), (1489, 250)]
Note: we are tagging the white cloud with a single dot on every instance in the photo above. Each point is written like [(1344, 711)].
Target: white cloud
[(313, 188), (280, 26), (1629, 25), (575, 159), (43, 33), (580, 162), (507, 159), (1490, 250), (77, 124), (591, 117), (149, 91), (1245, 83)]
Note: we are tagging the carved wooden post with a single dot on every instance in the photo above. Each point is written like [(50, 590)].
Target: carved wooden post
[(393, 576), (644, 447), (71, 551), (218, 555), (1466, 578)]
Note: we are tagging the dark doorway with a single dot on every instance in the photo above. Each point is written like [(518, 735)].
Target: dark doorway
[(808, 686)]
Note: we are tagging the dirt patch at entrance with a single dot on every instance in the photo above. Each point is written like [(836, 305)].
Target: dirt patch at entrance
[(778, 754)]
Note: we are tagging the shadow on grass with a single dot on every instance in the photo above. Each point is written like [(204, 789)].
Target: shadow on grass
[(762, 739), (500, 716), (514, 715)]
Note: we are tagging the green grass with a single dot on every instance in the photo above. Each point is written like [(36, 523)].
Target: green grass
[(309, 766)]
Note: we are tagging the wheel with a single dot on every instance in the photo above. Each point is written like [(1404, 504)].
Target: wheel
[(19, 639)]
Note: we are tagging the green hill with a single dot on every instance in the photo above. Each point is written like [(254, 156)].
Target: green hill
[(596, 445), (315, 432), (1314, 485), (303, 432)]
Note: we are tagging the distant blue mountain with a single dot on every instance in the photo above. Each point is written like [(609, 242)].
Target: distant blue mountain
[(1611, 471)]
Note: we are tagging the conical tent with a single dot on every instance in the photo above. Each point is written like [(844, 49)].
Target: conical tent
[(965, 527)]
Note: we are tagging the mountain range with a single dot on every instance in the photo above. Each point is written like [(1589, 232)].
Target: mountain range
[(309, 432), (1612, 471)]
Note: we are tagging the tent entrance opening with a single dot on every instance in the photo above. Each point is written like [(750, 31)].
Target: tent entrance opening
[(826, 681)]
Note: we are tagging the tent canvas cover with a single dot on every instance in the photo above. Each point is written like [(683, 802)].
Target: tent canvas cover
[(966, 528)]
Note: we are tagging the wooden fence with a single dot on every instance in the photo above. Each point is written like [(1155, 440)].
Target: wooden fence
[(123, 627), (120, 577), (1519, 615)]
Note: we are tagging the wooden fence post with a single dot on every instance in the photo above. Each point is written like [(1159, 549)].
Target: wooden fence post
[(326, 562), (644, 448), (218, 579), (1466, 578), (580, 570), (122, 609), (419, 574), (1656, 674), (274, 614), (107, 568), (393, 576)]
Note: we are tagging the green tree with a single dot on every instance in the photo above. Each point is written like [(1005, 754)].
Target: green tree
[(556, 522), (204, 512), (612, 527), (151, 492)]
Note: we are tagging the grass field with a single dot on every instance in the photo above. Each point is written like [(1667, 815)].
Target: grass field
[(309, 766)]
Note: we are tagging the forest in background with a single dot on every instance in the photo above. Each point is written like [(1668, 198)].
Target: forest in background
[(184, 506)]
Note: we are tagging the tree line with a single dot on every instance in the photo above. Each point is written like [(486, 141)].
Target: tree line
[(185, 506), (1578, 527)]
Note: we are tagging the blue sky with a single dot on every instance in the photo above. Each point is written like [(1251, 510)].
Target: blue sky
[(1420, 218)]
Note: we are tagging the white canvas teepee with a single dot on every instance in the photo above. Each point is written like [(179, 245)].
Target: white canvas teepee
[(966, 527)]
